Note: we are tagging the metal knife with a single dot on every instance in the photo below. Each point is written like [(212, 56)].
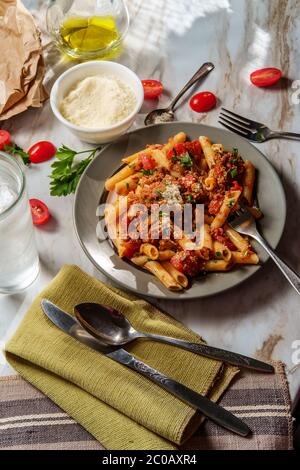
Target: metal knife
[(208, 408)]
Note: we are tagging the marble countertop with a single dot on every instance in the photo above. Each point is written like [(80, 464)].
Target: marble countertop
[(168, 40)]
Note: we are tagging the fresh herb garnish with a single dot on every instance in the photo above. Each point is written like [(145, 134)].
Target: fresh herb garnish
[(174, 158), (147, 172), (186, 160), (66, 172), (14, 149), (233, 172), (235, 151), (231, 203), (190, 199), (218, 254), (159, 193)]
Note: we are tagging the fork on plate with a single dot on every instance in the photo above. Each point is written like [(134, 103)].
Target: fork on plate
[(252, 130), (243, 222)]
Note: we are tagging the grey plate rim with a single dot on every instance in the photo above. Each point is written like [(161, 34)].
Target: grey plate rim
[(169, 295)]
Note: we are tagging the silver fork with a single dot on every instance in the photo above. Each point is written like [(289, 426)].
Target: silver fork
[(251, 130), (243, 222)]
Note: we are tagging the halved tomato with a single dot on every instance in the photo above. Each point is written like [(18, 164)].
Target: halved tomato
[(265, 77), (152, 89), (39, 211)]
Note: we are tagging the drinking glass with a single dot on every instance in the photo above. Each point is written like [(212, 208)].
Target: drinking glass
[(88, 29), (19, 262)]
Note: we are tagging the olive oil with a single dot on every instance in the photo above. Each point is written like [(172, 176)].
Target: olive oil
[(80, 34)]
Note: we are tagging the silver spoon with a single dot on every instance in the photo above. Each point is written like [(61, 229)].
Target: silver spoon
[(159, 116), (112, 328)]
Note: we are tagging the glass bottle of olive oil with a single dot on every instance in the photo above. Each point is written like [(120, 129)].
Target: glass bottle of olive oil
[(89, 34), (88, 29)]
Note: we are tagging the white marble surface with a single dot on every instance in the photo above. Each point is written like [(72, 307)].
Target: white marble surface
[(168, 40)]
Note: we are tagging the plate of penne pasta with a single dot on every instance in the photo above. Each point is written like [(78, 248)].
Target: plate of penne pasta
[(152, 211)]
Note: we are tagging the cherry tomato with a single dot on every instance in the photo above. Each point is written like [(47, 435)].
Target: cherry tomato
[(147, 162), (152, 89), (265, 77), (5, 138), (41, 151), (203, 102), (39, 211), (131, 247)]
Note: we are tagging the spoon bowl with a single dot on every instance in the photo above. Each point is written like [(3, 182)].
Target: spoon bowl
[(159, 116), (105, 323)]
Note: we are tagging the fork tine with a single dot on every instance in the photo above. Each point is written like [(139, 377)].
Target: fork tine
[(242, 118), (236, 126), (235, 121), (232, 129)]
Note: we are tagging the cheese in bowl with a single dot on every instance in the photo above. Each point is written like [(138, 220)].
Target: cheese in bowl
[(98, 100)]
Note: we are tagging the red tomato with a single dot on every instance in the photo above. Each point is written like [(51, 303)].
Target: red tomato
[(177, 263), (265, 77), (170, 154), (236, 186), (148, 163), (180, 148), (131, 247), (39, 211), (5, 138), (194, 148), (41, 151), (203, 102), (152, 89)]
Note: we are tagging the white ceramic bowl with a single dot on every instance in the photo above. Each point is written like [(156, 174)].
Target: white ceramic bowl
[(73, 75)]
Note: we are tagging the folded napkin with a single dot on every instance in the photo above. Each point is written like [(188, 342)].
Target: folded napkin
[(119, 407)]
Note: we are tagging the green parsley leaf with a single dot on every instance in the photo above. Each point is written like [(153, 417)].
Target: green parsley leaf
[(147, 172), (231, 203), (174, 158), (66, 172), (159, 193), (235, 151), (190, 199), (233, 172), (186, 160), (218, 254), (14, 149)]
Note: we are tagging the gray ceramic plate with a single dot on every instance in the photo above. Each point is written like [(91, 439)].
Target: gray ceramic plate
[(91, 189)]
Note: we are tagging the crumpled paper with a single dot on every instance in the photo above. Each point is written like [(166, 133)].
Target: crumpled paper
[(21, 65)]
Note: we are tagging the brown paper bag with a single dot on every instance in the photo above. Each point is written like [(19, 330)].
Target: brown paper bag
[(22, 65)]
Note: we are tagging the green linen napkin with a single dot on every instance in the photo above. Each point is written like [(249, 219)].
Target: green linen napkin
[(119, 407)]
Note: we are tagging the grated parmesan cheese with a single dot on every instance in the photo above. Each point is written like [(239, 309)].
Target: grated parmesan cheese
[(98, 101), (172, 194)]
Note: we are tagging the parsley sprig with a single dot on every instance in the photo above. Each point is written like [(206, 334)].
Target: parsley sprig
[(66, 172), (14, 149)]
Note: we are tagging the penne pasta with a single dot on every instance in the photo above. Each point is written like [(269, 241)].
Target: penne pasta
[(140, 260), (165, 255), (167, 280), (248, 182), (177, 275), (218, 148), (240, 242), (119, 176), (244, 258), (217, 265), (221, 251), (207, 150), (230, 200), (128, 184), (149, 250)]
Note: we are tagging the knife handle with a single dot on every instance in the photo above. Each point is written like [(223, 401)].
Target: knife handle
[(207, 407), (215, 353)]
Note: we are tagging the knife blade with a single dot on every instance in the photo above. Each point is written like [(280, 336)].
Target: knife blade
[(208, 408)]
